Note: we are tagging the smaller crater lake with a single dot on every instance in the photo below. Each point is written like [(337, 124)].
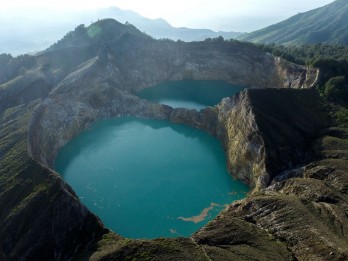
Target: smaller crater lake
[(149, 178), (189, 94)]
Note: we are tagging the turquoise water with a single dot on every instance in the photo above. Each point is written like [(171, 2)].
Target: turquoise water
[(190, 94), (149, 178)]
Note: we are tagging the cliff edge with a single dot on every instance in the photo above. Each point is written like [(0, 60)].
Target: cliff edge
[(282, 142)]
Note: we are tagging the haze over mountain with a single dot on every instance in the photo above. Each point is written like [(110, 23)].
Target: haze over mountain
[(160, 28), (327, 24), (33, 34), (35, 25)]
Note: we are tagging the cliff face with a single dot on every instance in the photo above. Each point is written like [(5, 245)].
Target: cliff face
[(101, 87), (243, 142), (264, 132), (279, 141), (294, 76), (232, 62), (270, 131), (274, 140), (101, 62), (69, 109)]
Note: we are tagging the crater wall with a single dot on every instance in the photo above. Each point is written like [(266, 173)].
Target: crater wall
[(274, 140), (104, 86)]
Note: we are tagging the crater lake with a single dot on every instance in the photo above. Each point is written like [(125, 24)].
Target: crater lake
[(149, 178)]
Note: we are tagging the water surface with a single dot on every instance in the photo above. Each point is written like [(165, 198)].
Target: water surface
[(149, 178), (190, 94)]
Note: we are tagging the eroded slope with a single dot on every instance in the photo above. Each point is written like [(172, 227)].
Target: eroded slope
[(266, 134)]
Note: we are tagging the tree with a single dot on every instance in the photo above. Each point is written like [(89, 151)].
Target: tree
[(336, 89)]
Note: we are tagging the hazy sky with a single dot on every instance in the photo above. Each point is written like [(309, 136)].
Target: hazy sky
[(236, 15)]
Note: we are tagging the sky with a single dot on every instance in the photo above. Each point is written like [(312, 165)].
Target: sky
[(224, 15)]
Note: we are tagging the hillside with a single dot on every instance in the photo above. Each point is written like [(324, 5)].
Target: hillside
[(286, 142), (327, 24)]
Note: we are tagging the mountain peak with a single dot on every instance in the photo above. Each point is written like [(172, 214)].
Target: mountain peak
[(101, 31)]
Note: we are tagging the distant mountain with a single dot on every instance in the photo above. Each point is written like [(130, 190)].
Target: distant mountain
[(159, 28), (27, 32), (327, 24)]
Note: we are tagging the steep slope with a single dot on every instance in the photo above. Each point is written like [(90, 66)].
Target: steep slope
[(111, 78), (271, 131), (301, 216), (284, 134), (41, 217), (327, 24)]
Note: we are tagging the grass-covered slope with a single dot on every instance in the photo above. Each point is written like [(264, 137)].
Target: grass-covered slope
[(41, 218), (101, 31), (327, 24)]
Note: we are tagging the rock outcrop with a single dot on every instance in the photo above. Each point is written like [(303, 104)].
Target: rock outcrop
[(242, 140), (102, 86), (276, 140), (267, 132)]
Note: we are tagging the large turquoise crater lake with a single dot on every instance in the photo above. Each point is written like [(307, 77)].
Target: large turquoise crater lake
[(149, 178)]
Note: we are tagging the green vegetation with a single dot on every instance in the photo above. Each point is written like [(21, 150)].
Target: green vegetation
[(327, 24), (101, 31), (336, 89), (11, 67), (332, 60), (316, 55), (315, 39), (339, 115)]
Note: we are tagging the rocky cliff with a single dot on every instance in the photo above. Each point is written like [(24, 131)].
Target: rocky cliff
[(102, 86), (276, 140), (267, 132)]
